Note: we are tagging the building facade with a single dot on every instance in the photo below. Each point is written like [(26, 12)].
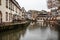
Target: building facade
[(9, 10), (29, 15), (23, 13), (34, 14), (43, 15), (53, 3)]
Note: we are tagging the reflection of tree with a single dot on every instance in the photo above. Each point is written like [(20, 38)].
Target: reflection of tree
[(12, 35), (43, 25)]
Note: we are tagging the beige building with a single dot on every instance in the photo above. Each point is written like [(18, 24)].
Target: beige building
[(9, 10), (34, 14), (43, 15)]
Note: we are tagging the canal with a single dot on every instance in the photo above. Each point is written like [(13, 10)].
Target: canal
[(35, 31)]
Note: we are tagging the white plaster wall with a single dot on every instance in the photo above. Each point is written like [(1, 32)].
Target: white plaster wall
[(3, 9)]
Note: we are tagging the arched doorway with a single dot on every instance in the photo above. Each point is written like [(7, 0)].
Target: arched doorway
[(0, 17)]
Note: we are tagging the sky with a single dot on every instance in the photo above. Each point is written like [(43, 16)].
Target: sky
[(33, 4)]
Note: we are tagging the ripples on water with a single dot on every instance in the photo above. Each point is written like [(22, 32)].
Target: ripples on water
[(41, 31)]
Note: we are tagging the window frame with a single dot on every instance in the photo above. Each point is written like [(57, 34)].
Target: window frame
[(6, 16)]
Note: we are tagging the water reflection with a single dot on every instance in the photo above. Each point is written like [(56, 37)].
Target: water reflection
[(41, 31), (12, 34), (36, 32)]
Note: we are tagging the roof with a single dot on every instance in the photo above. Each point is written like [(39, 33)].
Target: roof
[(16, 3)]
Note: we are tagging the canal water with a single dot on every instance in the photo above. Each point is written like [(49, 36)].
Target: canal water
[(35, 31)]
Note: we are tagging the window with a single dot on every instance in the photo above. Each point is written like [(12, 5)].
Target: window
[(10, 16), (0, 2), (9, 4), (6, 3), (6, 16), (13, 7), (16, 9)]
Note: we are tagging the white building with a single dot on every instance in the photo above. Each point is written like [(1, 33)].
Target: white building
[(54, 5), (9, 8)]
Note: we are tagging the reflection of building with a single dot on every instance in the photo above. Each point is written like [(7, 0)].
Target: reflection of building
[(9, 8), (13, 34)]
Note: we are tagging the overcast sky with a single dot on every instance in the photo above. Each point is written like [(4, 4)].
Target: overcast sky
[(33, 4)]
